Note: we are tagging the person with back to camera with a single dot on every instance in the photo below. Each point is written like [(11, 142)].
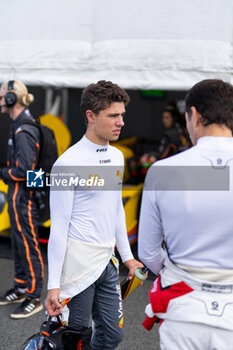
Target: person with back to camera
[(85, 230), (23, 151), (193, 294)]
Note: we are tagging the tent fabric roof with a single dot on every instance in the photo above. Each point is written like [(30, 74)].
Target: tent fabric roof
[(139, 45)]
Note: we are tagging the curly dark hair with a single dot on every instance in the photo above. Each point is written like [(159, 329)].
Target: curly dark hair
[(97, 97), (213, 99)]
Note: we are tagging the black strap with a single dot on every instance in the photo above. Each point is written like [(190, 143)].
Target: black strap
[(27, 122), (10, 85)]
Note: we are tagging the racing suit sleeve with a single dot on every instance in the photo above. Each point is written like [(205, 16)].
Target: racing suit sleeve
[(122, 241), (61, 204), (26, 152), (150, 236)]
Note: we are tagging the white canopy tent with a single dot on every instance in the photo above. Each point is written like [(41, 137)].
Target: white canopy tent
[(150, 44)]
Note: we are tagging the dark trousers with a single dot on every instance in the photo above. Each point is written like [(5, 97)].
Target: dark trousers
[(28, 263), (103, 301)]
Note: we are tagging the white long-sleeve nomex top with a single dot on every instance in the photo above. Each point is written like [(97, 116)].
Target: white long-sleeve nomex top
[(94, 217), (196, 222)]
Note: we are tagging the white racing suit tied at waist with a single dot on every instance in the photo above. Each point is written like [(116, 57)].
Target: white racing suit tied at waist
[(177, 296), (84, 263)]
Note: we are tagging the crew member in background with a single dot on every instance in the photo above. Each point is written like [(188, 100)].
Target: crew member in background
[(23, 151), (174, 139), (194, 292), (86, 225)]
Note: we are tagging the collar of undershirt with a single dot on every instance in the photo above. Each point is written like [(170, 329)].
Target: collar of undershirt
[(94, 147), (212, 141)]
